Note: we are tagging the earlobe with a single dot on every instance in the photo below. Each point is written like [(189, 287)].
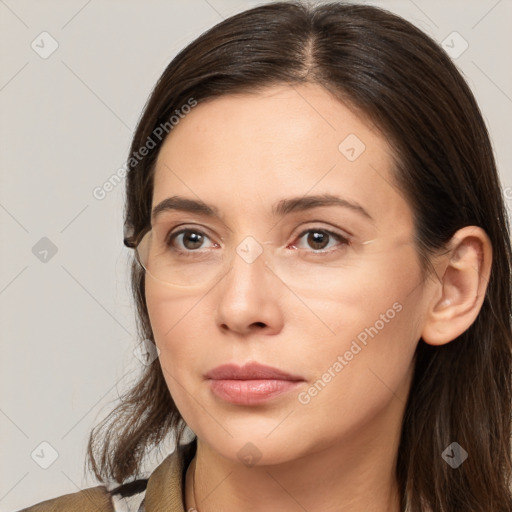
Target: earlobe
[(458, 295)]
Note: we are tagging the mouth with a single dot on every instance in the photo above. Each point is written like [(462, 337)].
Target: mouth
[(251, 384)]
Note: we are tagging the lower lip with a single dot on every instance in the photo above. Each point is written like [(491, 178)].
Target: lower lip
[(251, 392)]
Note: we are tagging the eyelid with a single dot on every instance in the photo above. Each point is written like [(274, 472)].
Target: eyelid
[(330, 229), (186, 226)]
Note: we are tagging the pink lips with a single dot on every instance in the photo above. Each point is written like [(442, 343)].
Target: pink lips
[(250, 384)]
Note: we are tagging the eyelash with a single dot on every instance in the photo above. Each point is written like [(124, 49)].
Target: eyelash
[(344, 241)]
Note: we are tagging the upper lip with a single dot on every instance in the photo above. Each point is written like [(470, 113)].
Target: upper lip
[(249, 371)]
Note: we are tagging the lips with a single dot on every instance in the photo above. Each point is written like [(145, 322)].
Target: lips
[(250, 371), (251, 384)]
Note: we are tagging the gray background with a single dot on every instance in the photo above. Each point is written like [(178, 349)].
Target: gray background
[(67, 319)]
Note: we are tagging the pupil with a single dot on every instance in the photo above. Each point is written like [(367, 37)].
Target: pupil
[(192, 239), (317, 238)]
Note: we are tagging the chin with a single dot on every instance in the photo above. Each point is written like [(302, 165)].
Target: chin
[(251, 446)]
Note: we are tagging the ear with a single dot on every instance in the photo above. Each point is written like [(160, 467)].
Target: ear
[(458, 293)]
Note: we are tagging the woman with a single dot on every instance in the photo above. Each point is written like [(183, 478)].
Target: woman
[(323, 265)]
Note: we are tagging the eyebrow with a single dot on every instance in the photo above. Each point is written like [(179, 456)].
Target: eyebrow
[(281, 208)]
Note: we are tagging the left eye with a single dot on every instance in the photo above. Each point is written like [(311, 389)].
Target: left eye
[(320, 239)]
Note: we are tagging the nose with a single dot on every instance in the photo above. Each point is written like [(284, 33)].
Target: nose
[(248, 297)]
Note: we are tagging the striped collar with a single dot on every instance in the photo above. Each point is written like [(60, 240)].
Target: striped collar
[(163, 491)]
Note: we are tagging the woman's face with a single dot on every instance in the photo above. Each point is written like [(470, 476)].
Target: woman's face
[(342, 320)]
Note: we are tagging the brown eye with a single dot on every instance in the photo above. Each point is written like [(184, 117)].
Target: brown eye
[(319, 239), (188, 239)]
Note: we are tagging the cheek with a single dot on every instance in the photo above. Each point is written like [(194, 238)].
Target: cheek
[(382, 292), (174, 325), (174, 322), (369, 330)]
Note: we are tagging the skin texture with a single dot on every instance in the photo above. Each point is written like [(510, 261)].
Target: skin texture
[(242, 154)]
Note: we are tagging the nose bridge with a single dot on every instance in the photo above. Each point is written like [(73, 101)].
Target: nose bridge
[(250, 249), (247, 258)]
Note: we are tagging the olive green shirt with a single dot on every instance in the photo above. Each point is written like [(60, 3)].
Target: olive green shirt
[(164, 492)]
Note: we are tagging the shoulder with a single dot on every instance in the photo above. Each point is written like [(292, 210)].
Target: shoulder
[(163, 487), (93, 499), (124, 498)]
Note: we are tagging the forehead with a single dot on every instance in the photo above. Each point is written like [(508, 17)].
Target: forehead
[(277, 123), (254, 149)]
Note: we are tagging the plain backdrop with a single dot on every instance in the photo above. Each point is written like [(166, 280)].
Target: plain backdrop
[(74, 77)]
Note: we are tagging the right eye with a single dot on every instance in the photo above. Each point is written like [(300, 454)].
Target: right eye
[(188, 240)]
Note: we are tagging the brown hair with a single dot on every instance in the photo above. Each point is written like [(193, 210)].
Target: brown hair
[(399, 78)]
